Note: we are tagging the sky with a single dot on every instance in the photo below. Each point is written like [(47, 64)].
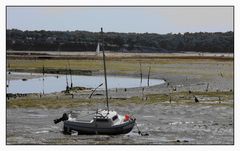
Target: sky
[(122, 19)]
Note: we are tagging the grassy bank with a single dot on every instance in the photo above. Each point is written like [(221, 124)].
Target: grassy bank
[(209, 98), (215, 69), (128, 65)]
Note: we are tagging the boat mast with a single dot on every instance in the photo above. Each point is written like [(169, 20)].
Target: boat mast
[(104, 64)]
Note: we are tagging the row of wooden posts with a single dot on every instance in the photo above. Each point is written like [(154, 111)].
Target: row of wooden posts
[(141, 74), (70, 73), (68, 68)]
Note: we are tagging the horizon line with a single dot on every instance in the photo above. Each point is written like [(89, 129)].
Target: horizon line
[(123, 32)]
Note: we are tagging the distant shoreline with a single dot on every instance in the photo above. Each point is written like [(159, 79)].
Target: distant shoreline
[(120, 42), (11, 53)]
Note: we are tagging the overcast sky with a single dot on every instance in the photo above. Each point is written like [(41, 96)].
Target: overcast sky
[(122, 19)]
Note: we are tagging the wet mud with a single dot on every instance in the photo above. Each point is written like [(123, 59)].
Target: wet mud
[(165, 123)]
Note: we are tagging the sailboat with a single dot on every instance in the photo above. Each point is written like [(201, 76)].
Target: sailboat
[(98, 49), (105, 122)]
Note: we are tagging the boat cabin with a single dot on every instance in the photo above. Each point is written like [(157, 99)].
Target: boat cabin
[(105, 118)]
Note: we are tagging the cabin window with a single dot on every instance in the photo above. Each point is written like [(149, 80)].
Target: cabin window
[(115, 117)]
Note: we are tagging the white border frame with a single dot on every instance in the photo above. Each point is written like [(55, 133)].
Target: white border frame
[(236, 5)]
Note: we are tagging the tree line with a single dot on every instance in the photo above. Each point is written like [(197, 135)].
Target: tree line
[(119, 42)]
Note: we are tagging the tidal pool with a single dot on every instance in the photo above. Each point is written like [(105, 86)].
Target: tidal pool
[(57, 83)]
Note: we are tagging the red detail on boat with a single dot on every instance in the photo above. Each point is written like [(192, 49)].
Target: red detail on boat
[(126, 118)]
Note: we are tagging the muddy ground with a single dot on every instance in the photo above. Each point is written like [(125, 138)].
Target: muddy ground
[(179, 121), (165, 124)]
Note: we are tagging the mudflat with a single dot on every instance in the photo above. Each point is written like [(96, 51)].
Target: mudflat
[(169, 112)]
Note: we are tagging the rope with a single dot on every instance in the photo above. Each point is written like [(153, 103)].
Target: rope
[(140, 132)]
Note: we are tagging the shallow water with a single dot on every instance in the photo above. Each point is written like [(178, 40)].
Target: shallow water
[(54, 83)]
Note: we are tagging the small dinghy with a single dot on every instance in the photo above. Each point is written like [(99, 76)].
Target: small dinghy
[(104, 122)]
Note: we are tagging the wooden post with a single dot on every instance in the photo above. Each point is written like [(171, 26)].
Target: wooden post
[(43, 72), (8, 81), (149, 74), (71, 78), (70, 72), (221, 74), (140, 74), (67, 87), (207, 87)]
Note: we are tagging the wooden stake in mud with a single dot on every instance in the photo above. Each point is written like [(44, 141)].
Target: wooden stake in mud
[(221, 74), (149, 74), (140, 74), (8, 81), (71, 78), (43, 72), (70, 72), (67, 87), (207, 87), (142, 93)]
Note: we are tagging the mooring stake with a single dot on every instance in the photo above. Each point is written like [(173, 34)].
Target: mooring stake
[(141, 133)]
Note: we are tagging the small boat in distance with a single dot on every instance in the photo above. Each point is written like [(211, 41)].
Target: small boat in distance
[(98, 49), (104, 122)]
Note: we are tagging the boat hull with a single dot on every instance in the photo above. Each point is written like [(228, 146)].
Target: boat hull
[(88, 128)]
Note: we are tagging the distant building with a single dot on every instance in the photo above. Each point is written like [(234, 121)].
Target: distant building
[(51, 39)]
